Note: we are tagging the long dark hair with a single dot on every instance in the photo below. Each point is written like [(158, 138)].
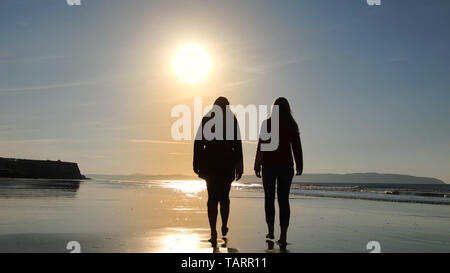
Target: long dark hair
[(222, 102), (286, 114)]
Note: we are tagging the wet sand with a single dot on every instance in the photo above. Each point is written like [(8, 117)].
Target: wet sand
[(170, 216)]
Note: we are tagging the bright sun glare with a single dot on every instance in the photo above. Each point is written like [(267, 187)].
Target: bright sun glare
[(192, 63)]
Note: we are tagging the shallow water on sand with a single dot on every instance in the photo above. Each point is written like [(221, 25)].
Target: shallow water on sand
[(170, 216)]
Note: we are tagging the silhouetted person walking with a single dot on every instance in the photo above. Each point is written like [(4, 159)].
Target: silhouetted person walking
[(278, 167), (219, 161)]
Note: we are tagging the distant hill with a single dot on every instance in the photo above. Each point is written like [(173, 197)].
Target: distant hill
[(357, 178), (361, 178)]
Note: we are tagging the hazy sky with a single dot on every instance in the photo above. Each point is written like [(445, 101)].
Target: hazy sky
[(369, 86)]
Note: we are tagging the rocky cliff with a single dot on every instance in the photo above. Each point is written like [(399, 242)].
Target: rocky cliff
[(24, 168)]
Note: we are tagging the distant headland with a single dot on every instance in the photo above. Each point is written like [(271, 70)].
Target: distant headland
[(39, 169)]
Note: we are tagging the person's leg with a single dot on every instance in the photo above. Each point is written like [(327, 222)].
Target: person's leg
[(212, 207), (225, 206), (285, 176), (269, 199)]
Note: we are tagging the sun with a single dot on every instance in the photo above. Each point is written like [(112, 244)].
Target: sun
[(191, 63)]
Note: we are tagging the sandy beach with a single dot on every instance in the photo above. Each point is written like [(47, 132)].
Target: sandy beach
[(170, 216)]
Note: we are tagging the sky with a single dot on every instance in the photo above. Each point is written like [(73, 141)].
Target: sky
[(93, 84)]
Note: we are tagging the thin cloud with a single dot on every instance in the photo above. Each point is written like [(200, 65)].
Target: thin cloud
[(273, 65), (33, 141), (239, 83), (31, 60), (45, 87), (152, 141)]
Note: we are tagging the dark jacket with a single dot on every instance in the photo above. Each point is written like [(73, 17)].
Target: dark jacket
[(289, 142), (215, 157)]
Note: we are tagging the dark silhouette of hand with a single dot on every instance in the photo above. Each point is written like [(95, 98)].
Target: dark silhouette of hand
[(299, 172), (196, 171), (258, 172), (238, 174)]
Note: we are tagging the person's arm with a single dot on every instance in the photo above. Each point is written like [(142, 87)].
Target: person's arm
[(258, 160), (298, 153), (238, 152), (198, 150), (259, 154)]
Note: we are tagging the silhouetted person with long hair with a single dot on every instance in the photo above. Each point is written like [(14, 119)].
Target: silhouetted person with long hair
[(278, 167), (219, 161)]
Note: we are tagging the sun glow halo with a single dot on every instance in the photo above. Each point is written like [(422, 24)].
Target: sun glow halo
[(192, 63)]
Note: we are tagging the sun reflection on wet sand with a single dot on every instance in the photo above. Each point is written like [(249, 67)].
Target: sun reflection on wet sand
[(184, 240), (191, 188), (188, 240), (185, 205)]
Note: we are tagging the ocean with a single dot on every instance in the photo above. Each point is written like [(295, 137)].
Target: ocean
[(412, 193)]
